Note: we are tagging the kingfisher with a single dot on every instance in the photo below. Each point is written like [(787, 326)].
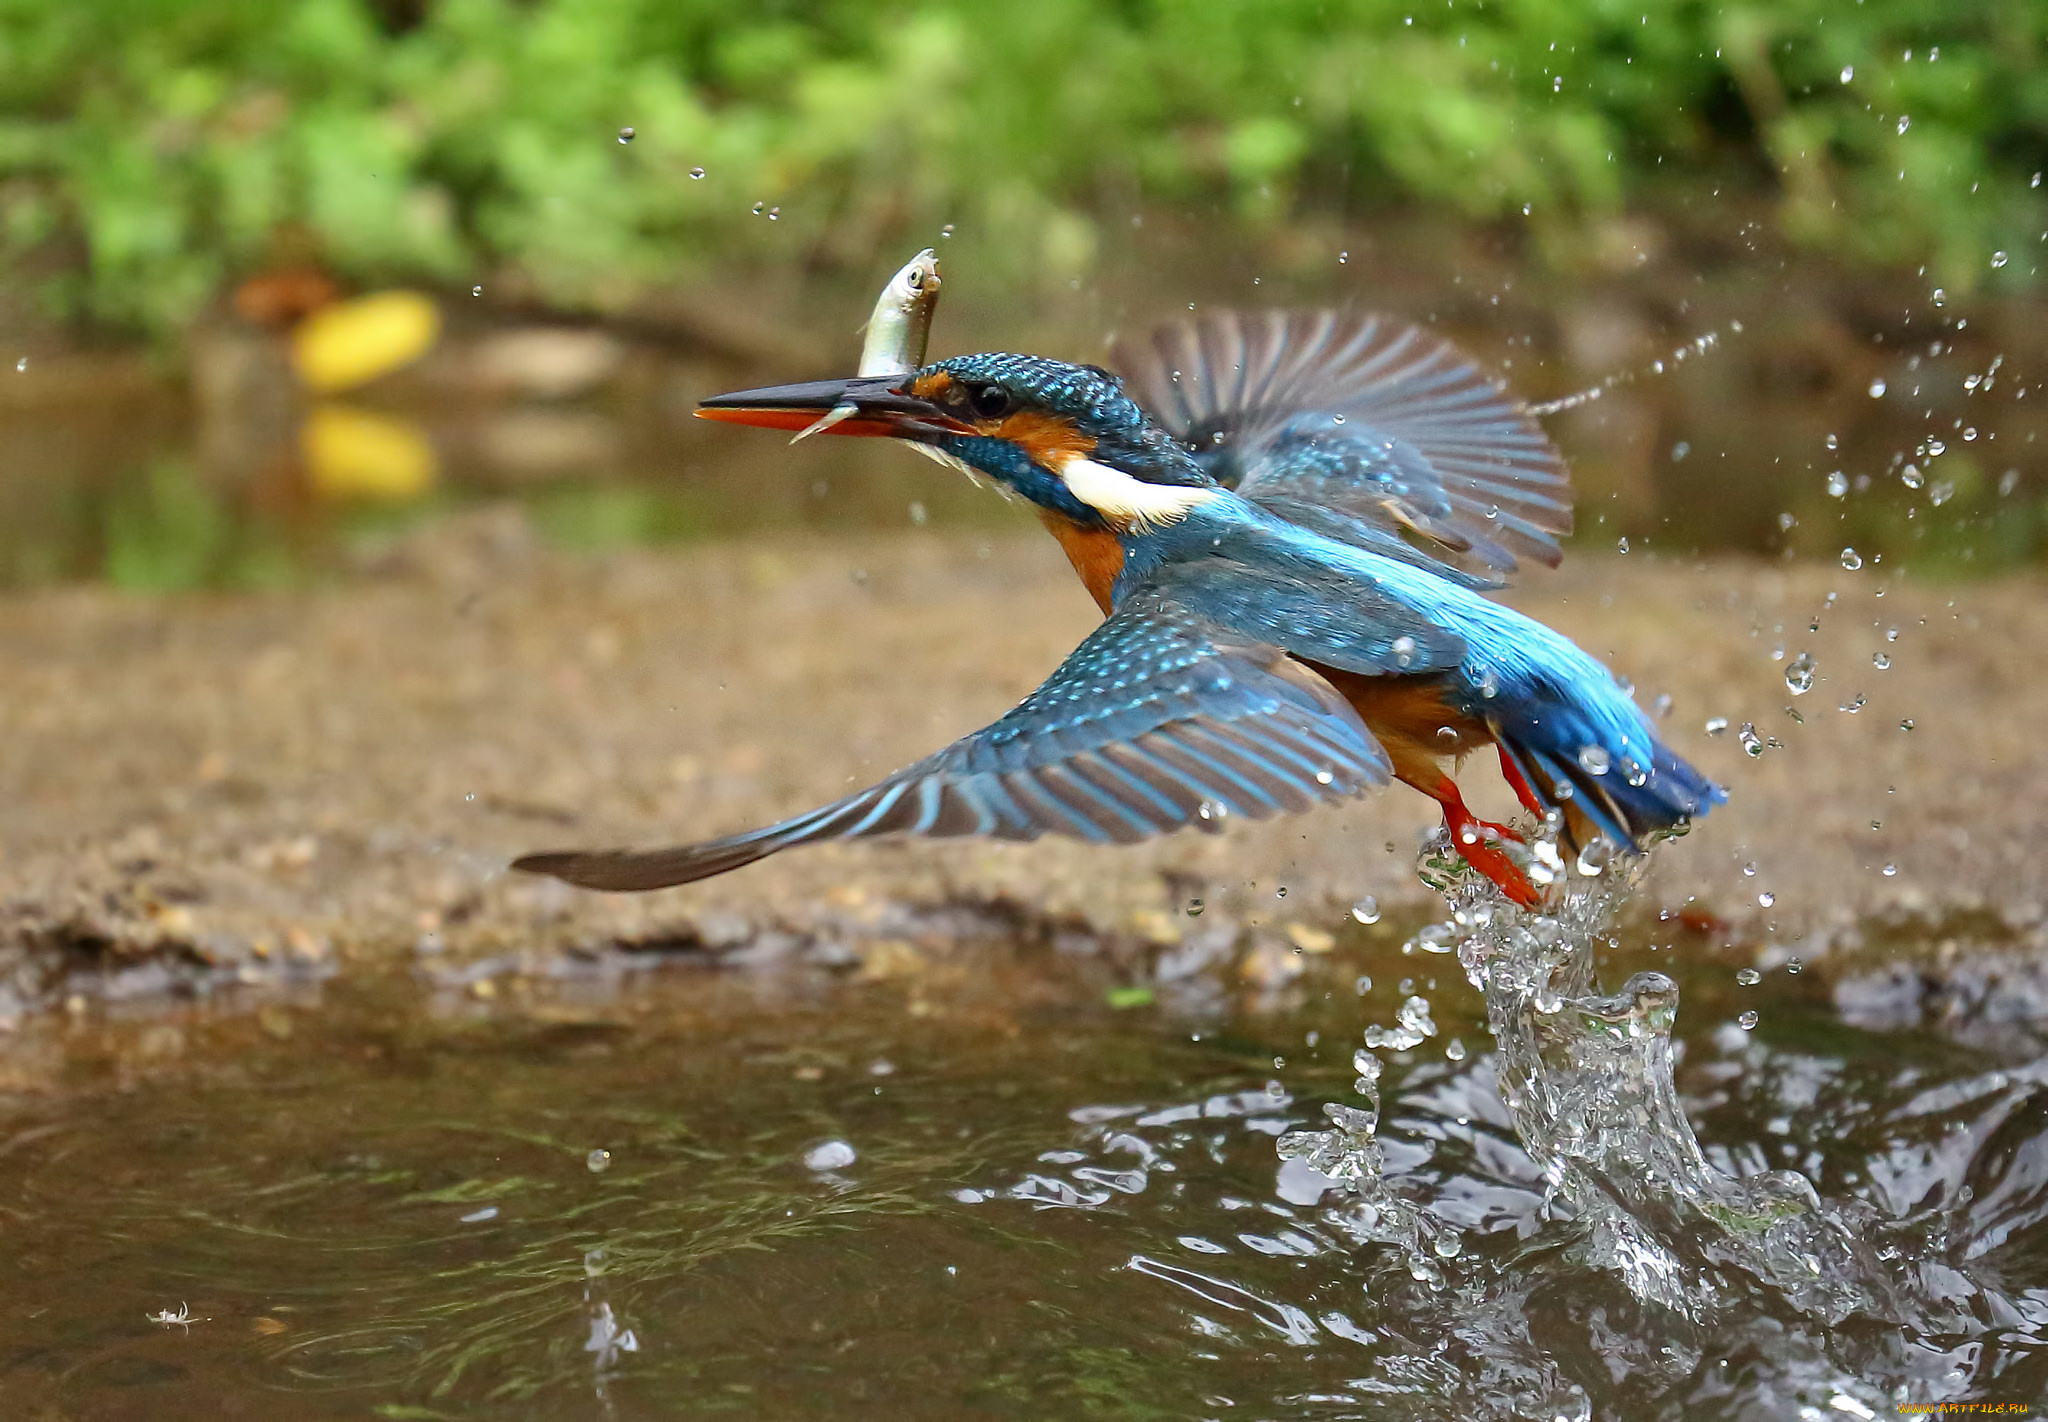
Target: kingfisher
[(1289, 520)]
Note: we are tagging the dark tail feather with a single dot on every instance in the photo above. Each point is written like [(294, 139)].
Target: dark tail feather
[(626, 871), (1627, 803)]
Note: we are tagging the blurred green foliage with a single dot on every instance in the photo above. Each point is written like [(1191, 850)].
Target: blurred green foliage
[(153, 150)]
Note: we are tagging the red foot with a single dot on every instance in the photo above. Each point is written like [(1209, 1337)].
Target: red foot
[(1523, 791), (1470, 835)]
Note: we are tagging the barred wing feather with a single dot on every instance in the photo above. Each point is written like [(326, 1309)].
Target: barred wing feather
[(1162, 718), (1363, 427)]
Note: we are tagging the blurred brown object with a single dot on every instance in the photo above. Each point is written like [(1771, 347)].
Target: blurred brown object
[(280, 297)]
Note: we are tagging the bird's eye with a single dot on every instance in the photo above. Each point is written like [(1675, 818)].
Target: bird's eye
[(989, 401)]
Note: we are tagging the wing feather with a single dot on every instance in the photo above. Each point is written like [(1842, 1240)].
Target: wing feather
[(1159, 720), (1362, 416)]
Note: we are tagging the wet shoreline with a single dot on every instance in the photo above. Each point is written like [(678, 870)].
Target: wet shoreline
[(283, 786)]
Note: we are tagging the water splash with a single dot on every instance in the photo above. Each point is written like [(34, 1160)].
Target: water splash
[(1697, 347), (1587, 1080)]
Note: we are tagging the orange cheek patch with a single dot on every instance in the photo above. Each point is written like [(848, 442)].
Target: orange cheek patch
[(1050, 440), (931, 387)]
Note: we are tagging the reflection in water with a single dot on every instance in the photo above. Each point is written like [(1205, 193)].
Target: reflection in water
[(1756, 411), (771, 1196), (1839, 1305)]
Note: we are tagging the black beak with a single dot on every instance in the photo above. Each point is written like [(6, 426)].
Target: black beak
[(864, 405)]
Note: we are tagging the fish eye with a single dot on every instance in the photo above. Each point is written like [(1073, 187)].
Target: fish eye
[(989, 401)]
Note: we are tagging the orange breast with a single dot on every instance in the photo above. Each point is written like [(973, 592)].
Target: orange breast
[(1407, 715), (1096, 554)]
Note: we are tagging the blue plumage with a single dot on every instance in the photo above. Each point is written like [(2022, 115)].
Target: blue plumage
[(1288, 529), (1159, 720)]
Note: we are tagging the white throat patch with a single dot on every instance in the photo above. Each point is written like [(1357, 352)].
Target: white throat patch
[(1125, 501)]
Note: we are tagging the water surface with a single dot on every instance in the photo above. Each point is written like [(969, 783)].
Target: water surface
[(976, 1191)]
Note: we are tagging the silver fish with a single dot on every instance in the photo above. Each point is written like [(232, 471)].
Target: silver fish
[(902, 323), (898, 331)]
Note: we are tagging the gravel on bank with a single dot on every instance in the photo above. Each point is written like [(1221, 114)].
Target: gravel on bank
[(286, 784)]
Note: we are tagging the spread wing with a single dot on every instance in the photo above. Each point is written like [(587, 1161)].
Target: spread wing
[(1362, 427), (1162, 718)]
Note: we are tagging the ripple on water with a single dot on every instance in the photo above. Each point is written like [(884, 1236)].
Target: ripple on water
[(1540, 1232), (1135, 1206)]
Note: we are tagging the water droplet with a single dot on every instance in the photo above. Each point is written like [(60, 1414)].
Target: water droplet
[(1838, 484), (1941, 491), (1366, 910), (1851, 559), (1679, 451), (1848, 72), (1363, 985), (476, 291), (1749, 870), (1936, 448), (1998, 259), (918, 513), (1911, 476), (1336, 419), (1342, 258), (1749, 977), (1751, 741), (1881, 661), (1891, 871), (1454, 1050), (759, 208), (1281, 892), (1794, 966), (1877, 388), (1905, 122), (696, 173), (1622, 545), (598, 1161), (831, 1155), (1717, 725), (1799, 675), (1214, 810), (1195, 907), (1907, 724), (775, 214), (1940, 298), (626, 135), (1325, 777), (1594, 759), (1747, 1021), (21, 366), (946, 231), (1403, 648)]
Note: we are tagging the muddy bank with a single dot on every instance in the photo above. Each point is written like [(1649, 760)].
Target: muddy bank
[(277, 786)]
